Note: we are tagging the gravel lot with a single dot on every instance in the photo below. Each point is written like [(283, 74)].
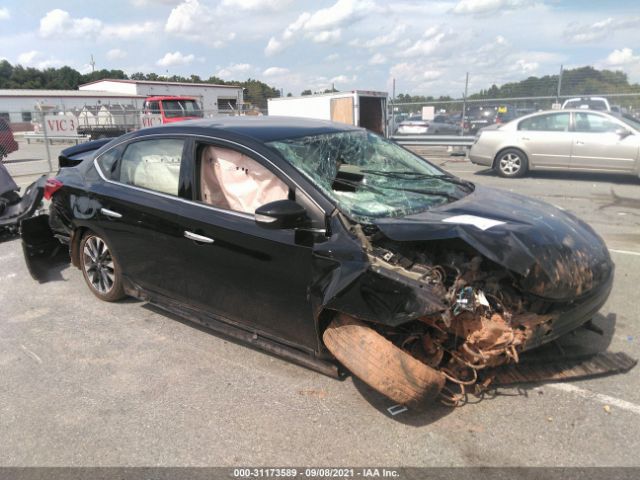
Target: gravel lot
[(86, 383)]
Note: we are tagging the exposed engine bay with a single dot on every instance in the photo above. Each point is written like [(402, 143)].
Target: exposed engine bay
[(479, 317)]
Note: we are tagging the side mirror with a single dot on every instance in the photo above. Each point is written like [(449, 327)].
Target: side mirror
[(623, 133), (281, 214)]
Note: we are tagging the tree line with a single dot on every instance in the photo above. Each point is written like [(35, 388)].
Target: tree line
[(67, 78), (578, 81)]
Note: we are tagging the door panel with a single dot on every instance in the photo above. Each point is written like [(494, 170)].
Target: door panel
[(597, 146), (249, 275), (547, 140), (548, 149), (604, 151)]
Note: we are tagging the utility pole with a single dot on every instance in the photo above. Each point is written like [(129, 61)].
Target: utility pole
[(464, 104), (93, 64), (393, 108), (559, 85)]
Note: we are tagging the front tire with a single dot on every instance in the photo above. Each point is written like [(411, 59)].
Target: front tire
[(511, 163), (380, 364), (100, 268)]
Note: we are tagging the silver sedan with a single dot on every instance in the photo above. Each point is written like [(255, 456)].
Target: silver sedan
[(560, 139)]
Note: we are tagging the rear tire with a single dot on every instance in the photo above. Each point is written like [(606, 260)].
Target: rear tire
[(511, 163), (100, 268), (380, 364)]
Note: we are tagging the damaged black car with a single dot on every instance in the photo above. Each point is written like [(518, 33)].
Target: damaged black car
[(327, 245)]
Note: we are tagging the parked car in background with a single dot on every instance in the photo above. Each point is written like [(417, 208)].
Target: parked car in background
[(440, 125), (587, 103), (560, 139), (481, 116), (8, 143), (325, 244)]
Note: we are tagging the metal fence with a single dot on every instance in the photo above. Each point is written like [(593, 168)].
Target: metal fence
[(31, 140), (461, 113)]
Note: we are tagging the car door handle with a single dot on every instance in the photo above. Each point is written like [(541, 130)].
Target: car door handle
[(525, 138), (110, 213), (579, 142), (197, 238)]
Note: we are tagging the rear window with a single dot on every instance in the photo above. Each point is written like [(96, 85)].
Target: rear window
[(553, 122)]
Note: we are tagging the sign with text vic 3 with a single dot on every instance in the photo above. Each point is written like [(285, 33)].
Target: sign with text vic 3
[(61, 125), (150, 120)]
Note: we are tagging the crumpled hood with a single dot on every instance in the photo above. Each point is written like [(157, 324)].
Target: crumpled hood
[(559, 256)]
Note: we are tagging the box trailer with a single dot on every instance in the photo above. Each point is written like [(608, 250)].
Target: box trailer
[(359, 107)]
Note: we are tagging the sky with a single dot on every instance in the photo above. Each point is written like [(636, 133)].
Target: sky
[(427, 46)]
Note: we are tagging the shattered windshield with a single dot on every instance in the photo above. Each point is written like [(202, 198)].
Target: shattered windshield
[(368, 176)]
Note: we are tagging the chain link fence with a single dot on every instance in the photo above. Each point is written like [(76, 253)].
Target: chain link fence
[(579, 88), (479, 113), (31, 140)]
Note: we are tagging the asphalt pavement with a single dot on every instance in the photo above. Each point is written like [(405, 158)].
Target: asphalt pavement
[(88, 383)]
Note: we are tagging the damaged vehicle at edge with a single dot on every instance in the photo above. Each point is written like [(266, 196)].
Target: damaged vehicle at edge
[(326, 245)]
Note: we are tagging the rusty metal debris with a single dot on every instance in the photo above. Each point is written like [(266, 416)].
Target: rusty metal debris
[(474, 317)]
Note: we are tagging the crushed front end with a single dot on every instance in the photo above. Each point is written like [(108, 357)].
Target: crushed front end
[(465, 300)]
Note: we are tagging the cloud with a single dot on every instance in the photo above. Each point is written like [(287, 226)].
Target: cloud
[(625, 60), (256, 5), (377, 59), (434, 40), (342, 79), (622, 57), (27, 58), (126, 31), (275, 71), (151, 3), (382, 40), (172, 59), (343, 12), (34, 58), (116, 54), (274, 46), (579, 33), (415, 73), (59, 22), (231, 71), (327, 36), (323, 25), (4, 13), (186, 17), (484, 7), (197, 22)]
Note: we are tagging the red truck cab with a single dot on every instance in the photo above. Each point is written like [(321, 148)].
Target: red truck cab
[(173, 108)]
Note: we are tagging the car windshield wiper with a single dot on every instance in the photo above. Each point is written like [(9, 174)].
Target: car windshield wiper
[(409, 175), (436, 193), (355, 185)]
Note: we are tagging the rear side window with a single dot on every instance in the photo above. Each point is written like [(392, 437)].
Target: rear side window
[(153, 164), (106, 162), (554, 122)]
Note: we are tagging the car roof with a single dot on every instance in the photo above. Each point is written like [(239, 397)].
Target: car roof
[(261, 128)]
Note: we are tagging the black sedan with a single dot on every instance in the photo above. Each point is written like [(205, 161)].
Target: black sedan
[(325, 244)]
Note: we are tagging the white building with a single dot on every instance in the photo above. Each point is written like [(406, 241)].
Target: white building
[(19, 107), (214, 98)]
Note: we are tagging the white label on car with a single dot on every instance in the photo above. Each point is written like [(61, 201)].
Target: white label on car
[(479, 222)]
